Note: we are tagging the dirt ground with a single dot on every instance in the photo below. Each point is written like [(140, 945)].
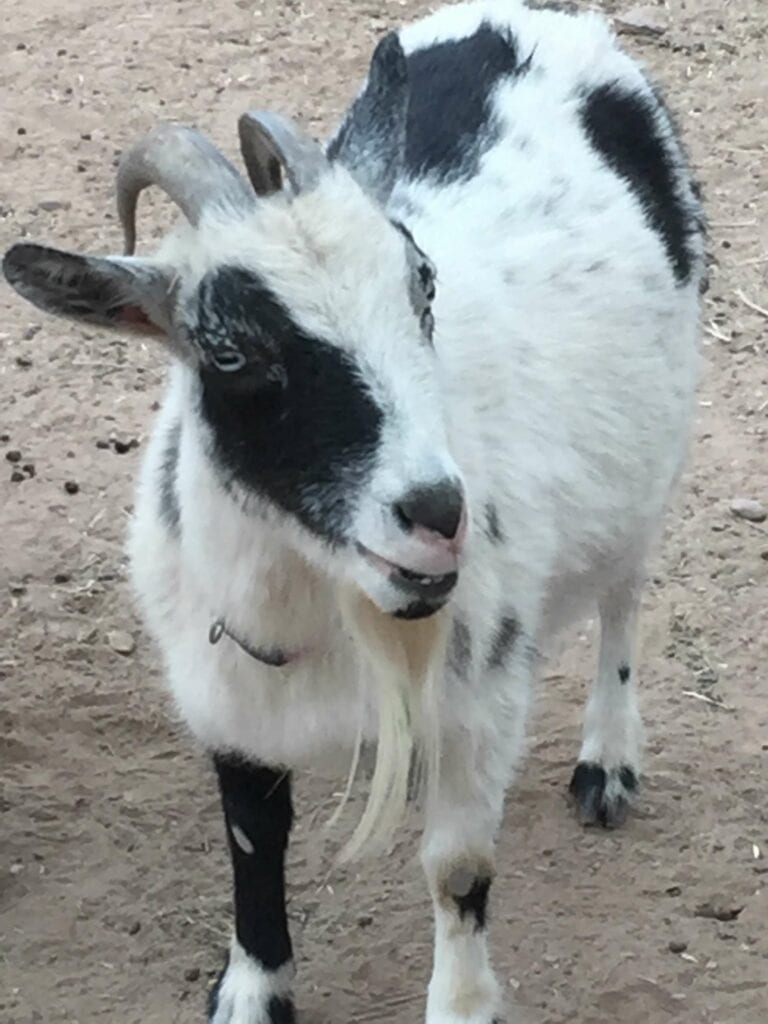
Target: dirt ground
[(114, 884)]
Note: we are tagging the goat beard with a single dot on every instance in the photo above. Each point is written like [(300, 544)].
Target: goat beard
[(401, 666)]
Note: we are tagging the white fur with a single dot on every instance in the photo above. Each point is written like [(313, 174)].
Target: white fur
[(246, 989), (558, 393)]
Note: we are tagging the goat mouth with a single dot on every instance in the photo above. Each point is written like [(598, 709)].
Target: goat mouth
[(424, 585)]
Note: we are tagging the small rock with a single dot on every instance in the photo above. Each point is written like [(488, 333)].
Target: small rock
[(29, 468), (61, 577), (192, 974), (135, 928), (364, 921), (121, 642), (72, 487), (102, 443), (52, 205), (17, 477), (718, 912), (748, 508), (23, 362), (642, 21), (14, 455), (678, 947)]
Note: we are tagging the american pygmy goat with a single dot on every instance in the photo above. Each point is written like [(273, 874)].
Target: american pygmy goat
[(429, 395)]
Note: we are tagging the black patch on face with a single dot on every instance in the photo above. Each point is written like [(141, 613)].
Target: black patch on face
[(461, 648), (624, 673), (450, 117), (492, 524), (170, 512), (296, 424), (621, 126), (475, 902), (257, 801), (504, 639)]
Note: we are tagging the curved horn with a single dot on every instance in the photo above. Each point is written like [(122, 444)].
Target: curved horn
[(269, 143), (186, 166)]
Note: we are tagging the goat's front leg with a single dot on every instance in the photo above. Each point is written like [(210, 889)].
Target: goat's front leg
[(255, 985), (477, 760)]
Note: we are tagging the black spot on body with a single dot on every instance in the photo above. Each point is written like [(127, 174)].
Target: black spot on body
[(504, 639), (475, 902), (624, 673), (170, 511), (461, 648), (492, 524), (621, 125), (450, 116), (257, 800), (296, 425)]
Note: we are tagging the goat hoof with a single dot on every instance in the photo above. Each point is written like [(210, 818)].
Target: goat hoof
[(603, 796), (239, 997)]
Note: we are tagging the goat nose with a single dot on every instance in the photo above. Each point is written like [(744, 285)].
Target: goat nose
[(436, 507)]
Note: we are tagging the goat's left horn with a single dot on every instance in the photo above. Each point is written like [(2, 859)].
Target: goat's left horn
[(186, 166)]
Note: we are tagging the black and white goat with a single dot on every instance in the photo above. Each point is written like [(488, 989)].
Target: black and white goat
[(441, 370)]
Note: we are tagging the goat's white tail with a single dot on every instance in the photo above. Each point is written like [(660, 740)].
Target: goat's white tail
[(403, 665)]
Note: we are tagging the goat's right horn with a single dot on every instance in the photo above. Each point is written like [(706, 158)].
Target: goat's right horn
[(186, 166)]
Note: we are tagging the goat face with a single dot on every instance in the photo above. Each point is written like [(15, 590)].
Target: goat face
[(319, 385), (305, 317)]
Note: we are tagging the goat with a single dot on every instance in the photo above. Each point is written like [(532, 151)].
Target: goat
[(429, 397)]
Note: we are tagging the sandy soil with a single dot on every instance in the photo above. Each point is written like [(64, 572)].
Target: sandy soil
[(114, 884)]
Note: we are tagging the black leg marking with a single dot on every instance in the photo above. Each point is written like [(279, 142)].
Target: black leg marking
[(603, 797), (624, 673), (475, 902), (504, 639), (281, 1011), (492, 524), (258, 813)]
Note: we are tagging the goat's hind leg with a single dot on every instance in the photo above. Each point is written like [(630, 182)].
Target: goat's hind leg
[(255, 985), (605, 781)]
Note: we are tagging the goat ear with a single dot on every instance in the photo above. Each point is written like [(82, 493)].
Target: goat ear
[(119, 292), (272, 146), (371, 141)]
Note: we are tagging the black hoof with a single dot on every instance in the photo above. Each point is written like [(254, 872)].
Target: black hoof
[(603, 797)]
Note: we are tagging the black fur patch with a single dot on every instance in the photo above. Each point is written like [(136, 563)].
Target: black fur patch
[(461, 648), (371, 140), (257, 800), (281, 1011), (450, 116), (504, 639), (624, 673), (296, 424), (621, 126), (475, 902), (492, 524), (170, 512), (589, 790)]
